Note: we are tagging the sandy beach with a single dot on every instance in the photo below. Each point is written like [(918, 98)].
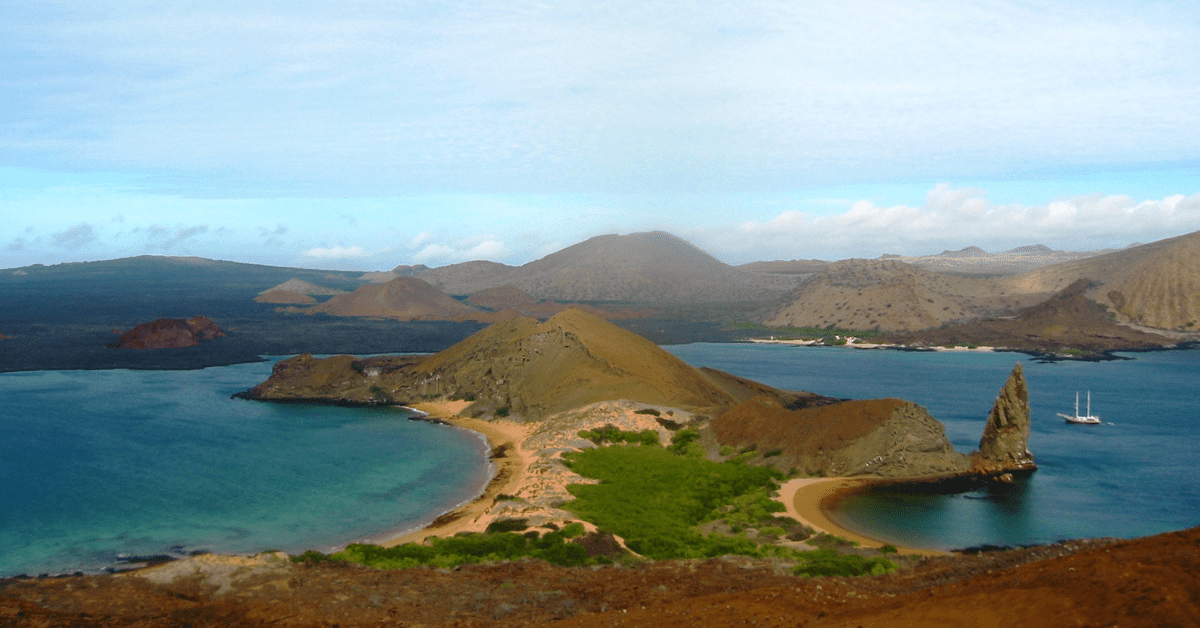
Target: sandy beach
[(505, 439), (805, 500)]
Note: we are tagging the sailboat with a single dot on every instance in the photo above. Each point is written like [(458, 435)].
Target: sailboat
[(1088, 418)]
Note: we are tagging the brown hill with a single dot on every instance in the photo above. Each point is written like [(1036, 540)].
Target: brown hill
[(518, 366), (467, 277), (886, 437), (878, 437), (299, 286), (404, 298), (284, 297), (169, 333), (654, 267), (1068, 320), (1155, 285), (890, 296)]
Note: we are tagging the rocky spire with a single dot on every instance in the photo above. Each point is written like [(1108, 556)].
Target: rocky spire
[(1004, 445)]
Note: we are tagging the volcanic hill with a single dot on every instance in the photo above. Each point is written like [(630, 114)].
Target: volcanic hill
[(169, 333), (890, 296), (654, 267), (403, 298), (1066, 321), (527, 370), (1155, 285)]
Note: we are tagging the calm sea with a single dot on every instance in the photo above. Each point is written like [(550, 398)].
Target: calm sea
[(1133, 475), (99, 464), (96, 465)]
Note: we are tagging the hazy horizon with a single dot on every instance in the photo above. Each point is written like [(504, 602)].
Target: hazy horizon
[(367, 136)]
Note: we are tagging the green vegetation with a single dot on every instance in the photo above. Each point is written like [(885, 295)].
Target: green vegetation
[(612, 434), (502, 412), (654, 499), (888, 549), (464, 549), (686, 442), (829, 563), (649, 411)]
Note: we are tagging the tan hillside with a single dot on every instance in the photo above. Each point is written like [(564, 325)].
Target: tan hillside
[(467, 277), (654, 267), (1066, 320), (891, 296), (284, 297), (299, 286), (645, 267), (404, 298), (886, 437), (528, 368), (1156, 284)]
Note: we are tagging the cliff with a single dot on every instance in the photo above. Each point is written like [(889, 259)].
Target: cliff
[(169, 333)]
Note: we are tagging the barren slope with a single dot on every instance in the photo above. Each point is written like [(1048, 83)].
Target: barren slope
[(403, 298), (1156, 284), (891, 296)]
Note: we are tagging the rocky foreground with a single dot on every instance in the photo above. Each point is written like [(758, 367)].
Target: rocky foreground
[(1143, 582)]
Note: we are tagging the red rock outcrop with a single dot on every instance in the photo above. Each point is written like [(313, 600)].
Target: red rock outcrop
[(169, 333)]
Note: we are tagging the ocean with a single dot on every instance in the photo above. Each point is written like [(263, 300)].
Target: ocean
[(1133, 475), (98, 467)]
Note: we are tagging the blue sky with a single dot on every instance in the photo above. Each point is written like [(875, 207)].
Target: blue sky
[(363, 135)]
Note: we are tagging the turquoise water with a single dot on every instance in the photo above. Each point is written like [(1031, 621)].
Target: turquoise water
[(99, 464), (1131, 476)]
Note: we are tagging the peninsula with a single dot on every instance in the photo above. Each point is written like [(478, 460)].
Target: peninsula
[(533, 387)]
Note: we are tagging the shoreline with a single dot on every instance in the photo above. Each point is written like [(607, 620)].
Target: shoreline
[(506, 455), (808, 500)]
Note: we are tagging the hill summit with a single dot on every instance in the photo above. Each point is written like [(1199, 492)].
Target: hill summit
[(519, 366)]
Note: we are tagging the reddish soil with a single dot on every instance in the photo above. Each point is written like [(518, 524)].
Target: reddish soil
[(1145, 582)]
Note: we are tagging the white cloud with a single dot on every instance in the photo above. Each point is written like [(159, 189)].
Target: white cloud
[(952, 218), (546, 96), (475, 248), (336, 252)]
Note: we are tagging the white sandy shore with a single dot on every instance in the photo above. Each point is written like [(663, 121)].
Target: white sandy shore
[(871, 345)]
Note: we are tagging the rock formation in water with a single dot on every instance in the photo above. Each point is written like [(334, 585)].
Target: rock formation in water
[(879, 437), (1004, 445), (169, 333)]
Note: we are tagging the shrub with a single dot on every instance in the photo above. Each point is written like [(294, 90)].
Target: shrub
[(654, 499), (508, 525), (888, 549), (830, 563), (502, 412), (612, 434)]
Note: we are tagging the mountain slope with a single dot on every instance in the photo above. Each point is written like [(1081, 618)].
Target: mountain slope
[(1068, 319), (528, 368), (404, 298), (640, 267), (1156, 284), (890, 296)]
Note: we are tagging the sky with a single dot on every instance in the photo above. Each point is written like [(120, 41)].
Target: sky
[(361, 135)]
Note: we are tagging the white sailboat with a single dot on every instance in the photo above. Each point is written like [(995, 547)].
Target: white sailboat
[(1088, 418)]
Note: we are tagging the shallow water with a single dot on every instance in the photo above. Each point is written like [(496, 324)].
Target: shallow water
[(98, 464), (1131, 476)]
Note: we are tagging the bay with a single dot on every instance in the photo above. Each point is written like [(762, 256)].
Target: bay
[(96, 465), (1131, 476)]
